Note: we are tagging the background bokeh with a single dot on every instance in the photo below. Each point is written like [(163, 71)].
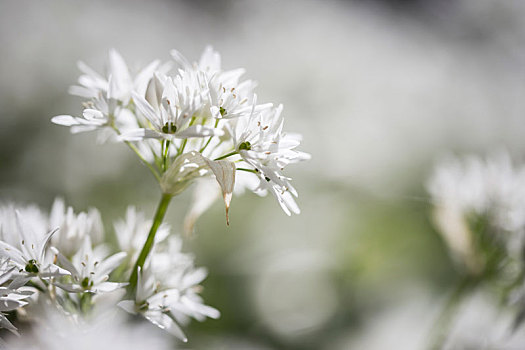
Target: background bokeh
[(379, 89)]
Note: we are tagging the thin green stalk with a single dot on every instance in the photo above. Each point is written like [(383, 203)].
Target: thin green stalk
[(135, 149), (227, 155), (441, 327), (146, 163), (248, 170), (185, 141), (148, 245), (209, 139)]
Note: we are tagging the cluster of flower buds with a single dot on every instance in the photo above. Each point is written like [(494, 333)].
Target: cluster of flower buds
[(188, 121)]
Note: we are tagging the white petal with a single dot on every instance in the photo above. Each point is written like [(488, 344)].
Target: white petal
[(165, 322), (224, 172), (65, 120), (199, 131), (128, 306)]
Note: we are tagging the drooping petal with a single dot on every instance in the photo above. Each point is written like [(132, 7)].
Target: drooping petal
[(224, 172)]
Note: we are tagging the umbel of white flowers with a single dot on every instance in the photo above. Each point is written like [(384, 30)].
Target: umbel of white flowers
[(195, 121), (188, 125), (479, 208), (74, 272)]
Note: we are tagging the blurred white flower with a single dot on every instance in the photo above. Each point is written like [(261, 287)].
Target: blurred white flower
[(167, 289), (90, 268), (132, 232), (473, 191), (104, 331), (73, 228)]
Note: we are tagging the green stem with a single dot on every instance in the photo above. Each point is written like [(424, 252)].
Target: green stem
[(135, 149), (227, 155), (443, 323), (148, 245), (185, 141), (146, 163), (209, 139), (248, 170)]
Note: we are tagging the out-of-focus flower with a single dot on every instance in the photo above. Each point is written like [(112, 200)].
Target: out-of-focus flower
[(479, 208), (133, 230), (167, 289), (90, 269), (105, 331), (73, 228)]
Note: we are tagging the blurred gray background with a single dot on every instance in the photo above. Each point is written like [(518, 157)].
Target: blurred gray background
[(379, 89)]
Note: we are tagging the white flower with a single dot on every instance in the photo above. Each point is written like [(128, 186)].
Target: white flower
[(267, 150), (167, 289), (74, 227), (473, 188), (29, 253), (170, 108), (227, 97), (102, 331), (11, 295), (153, 305), (101, 113), (90, 269), (133, 230), (119, 80)]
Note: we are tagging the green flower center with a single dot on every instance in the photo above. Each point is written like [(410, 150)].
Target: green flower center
[(170, 128), (246, 145), (31, 266)]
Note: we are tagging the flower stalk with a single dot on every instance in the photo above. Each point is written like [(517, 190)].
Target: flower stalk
[(148, 245)]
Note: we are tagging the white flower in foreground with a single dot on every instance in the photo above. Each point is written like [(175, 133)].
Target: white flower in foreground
[(167, 291), (90, 269), (106, 331), (11, 296), (34, 220), (30, 253)]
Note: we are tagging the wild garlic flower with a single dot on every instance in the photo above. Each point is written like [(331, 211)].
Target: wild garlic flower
[(107, 330), (132, 232), (167, 289), (29, 253), (198, 121), (228, 97), (74, 228), (12, 296), (118, 80), (90, 268), (480, 208)]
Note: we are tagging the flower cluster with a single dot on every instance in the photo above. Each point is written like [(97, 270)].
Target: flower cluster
[(480, 209), (190, 122), (196, 123), (69, 266)]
